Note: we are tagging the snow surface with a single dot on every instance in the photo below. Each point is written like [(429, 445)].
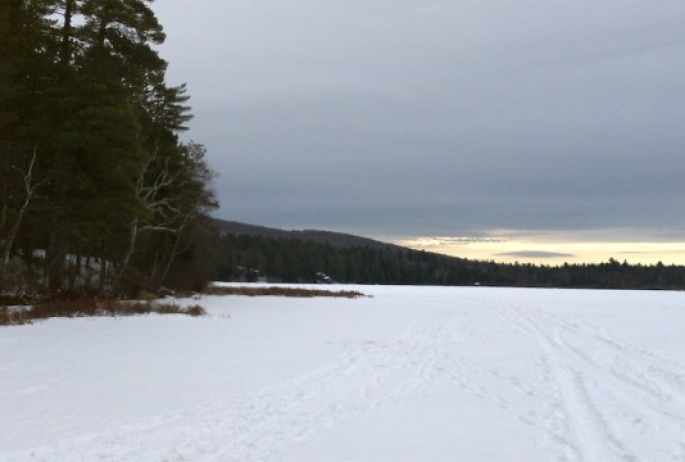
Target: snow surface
[(411, 374)]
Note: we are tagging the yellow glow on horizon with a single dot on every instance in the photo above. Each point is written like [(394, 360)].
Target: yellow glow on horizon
[(551, 250)]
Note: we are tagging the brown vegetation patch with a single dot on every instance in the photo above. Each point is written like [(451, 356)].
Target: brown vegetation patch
[(90, 307), (277, 291), (13, 300)]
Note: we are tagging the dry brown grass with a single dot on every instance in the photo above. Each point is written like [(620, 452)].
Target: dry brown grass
[(90, 307), (277, 291)]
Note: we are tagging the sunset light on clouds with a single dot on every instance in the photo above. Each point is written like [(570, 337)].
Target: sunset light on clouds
[(553, 249)]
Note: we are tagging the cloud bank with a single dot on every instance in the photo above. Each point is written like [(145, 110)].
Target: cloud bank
[(438, 118)]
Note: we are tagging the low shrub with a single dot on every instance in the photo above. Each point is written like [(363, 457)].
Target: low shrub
[(13, 300), (147, 295), (278, 291), (4, 316), (170, 308), (63, 308), (195, 310)]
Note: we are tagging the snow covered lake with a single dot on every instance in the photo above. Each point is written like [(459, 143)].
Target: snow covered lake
[(409, 374)]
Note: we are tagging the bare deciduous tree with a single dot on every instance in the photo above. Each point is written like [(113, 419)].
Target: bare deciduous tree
[(29, 186)]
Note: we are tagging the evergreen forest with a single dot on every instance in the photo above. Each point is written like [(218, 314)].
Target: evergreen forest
[(97, 192), (251, 258)]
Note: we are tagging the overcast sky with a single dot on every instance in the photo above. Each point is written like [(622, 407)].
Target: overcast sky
[(471, 118)]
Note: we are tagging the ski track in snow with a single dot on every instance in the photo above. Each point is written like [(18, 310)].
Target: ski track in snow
[(596, 377), (592, 397)]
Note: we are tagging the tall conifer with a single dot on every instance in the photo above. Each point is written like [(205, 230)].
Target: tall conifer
[(85, 105)]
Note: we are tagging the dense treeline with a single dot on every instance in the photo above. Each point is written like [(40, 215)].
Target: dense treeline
[(249, 257), (96, 190)]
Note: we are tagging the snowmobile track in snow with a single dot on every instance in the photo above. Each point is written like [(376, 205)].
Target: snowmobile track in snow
[(595, 376), (584, 390)]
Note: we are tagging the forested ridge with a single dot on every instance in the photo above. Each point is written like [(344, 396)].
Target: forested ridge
[(336, 239), (97, 192), (249, 257)]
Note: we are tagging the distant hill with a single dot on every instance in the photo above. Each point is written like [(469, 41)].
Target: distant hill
[(250, 252), (337, 240)]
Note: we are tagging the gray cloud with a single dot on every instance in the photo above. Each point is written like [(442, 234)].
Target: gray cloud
[(438, 118), (536, 254), (463, 240)]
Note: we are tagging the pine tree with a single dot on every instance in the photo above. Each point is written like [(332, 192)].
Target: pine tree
[(25, 61), (85, 110)]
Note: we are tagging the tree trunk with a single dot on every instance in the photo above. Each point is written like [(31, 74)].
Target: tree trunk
[(174, 250), (29, 190), (65, 45)]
